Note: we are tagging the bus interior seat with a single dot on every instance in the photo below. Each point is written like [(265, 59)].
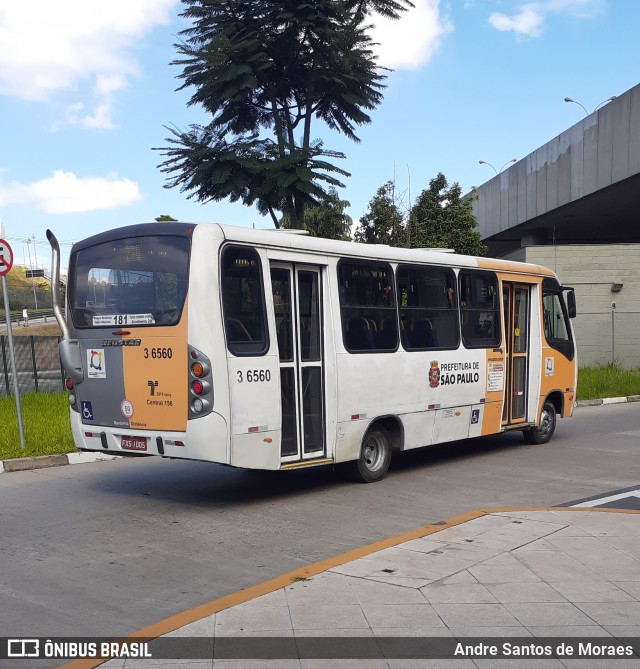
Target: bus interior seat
[(421, 333), (359, 335), (445, 330), (386, 336)]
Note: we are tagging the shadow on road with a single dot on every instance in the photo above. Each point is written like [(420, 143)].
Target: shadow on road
[(219, 487)]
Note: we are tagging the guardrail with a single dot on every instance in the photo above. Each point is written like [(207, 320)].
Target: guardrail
[(17, 319)]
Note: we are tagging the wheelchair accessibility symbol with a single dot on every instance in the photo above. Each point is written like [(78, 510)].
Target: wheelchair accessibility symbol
[(475, 416), (87, 410)]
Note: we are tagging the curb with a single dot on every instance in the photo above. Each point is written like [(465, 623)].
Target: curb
[(608, 400), (54, 460), (79, 457)]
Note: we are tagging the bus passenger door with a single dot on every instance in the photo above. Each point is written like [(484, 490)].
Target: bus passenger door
[(516, 311), (298, 317)]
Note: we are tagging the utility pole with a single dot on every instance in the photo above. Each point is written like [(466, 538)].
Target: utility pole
[(32, 238), (6, 263)]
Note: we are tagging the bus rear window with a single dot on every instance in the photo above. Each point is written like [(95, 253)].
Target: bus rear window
[(130, 282)]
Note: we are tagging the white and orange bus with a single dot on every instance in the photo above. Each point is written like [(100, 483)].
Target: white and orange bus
[(269, 350)]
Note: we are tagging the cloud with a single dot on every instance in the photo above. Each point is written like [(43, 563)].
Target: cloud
[(529, 20), (101, 117), (65, 193), (410, 42), (52, 47)]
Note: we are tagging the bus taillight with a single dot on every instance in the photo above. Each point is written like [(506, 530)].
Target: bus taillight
[(200, 384)]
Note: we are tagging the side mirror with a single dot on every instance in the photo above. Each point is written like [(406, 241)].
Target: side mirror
[(571, 303)]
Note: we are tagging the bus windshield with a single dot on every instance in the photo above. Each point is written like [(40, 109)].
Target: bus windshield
[(134, 281)]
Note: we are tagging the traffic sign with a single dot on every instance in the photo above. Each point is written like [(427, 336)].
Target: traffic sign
[(6, 258), (6, 263)]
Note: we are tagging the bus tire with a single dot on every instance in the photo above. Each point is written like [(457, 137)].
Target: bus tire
[(375, 456), (544, 431)]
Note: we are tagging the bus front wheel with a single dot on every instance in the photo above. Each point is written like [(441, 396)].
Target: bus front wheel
[(544, 431), (375, 456)]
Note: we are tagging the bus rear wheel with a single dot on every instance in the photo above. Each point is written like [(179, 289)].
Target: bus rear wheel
[(543, 433), (375, 456)]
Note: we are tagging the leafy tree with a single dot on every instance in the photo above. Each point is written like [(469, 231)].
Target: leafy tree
[(326, 219), (441, 218), (165, 218), (264, 70), (383, 222)]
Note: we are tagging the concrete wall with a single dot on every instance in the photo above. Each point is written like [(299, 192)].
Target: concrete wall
[(600, 150), (603, 333)]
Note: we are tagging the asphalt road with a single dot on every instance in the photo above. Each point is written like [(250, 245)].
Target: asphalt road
[(110, 547)]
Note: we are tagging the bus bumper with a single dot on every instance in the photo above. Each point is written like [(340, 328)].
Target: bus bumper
[(206, 438)]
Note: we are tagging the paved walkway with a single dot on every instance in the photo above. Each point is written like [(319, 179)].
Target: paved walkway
[(556, 573)]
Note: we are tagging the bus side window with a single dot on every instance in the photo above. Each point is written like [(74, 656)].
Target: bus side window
[(480, 309), (243, 301), (367, 306), (428, 308), (281, 289), (556, 321)]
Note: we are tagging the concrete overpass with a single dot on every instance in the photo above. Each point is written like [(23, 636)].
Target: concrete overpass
[(581, 187)]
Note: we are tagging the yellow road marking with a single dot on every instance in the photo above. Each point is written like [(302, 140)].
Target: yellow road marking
[(203, 610)]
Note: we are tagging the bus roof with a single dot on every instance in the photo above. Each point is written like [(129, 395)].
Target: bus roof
[(294, 241), (298, 242)]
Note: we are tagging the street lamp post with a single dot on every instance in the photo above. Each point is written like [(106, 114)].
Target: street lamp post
[(484, 162), (604, 102), (33, 283)]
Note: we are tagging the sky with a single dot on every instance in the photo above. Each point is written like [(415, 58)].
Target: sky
[(87, 90)]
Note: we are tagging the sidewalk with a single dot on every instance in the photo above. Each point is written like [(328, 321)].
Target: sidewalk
[(554, 573)]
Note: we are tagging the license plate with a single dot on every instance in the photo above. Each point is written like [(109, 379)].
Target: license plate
[(134, 443)]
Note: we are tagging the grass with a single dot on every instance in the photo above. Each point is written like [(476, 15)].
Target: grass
[(45, 417), (607, 381), (50, 329)]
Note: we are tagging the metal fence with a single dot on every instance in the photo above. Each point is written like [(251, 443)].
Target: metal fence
[(38, 365)]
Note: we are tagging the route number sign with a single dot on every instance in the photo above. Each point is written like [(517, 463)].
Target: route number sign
[(6, 258)]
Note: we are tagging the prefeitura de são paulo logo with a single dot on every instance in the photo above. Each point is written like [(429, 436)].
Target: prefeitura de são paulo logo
[(434, 374)]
